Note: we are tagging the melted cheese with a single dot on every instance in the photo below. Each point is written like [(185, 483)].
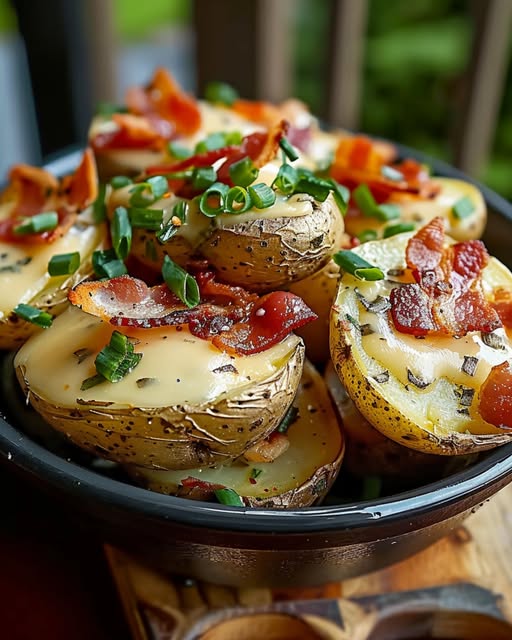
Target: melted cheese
[(181, 369), (24, 268)]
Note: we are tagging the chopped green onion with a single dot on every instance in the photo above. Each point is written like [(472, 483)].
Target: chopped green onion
[(186, 174), (229, 497), (121, 233), (214, 141), (107, 265), (146, 218), (64, 264), (181, 283), (289, 418), (212, 201), (367, 235), (391, 174), (158, 186), (46, 221), (150, 250), (372, 487), (238, 200), (203, 177), (99, 210), (387, 212), (180, 211), (118, 182), (243, 172), (394, 229), (91, 382), (316, 187), (233, 138), (256, 473), (340, 193), (220, 93), (366, 202), (34, 315), (286, 179), (288, 149), (357, 266), (463, 208), (262, 195), (178, 151), (146, 193), (117, 359), (108, 109)]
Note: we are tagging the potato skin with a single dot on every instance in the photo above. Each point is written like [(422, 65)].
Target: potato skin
[(268, 253), (177, 437), (390, 406)]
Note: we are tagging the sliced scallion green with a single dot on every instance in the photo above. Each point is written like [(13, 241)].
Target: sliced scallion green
[(146, 218), (181, 283), (463, 208), (340, 193), (318, 188), (288, 149), (262, 195), (107, 265), (212, 201), (229, 497), (180, 211), (34, 315), (367, 235), (64, 264), (178, 151), (46, 221), (286, 179), (214, 141), (117, 359), (99, 210), (158, 186), (243, 172), (238, 200), (220, 93), (91, 382), (357, 266), (203, 177), (121, 232), (364, 199), (395, 229), (118, 182), (387, 212)]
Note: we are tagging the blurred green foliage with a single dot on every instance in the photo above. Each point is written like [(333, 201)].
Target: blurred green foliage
[(7, 17), (136, 20)]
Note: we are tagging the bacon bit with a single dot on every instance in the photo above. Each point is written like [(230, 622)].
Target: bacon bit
[(257, 111), (284, 312), (133, 132), (33, 190), (503, 305), (447, 298), (196, 489), (228, 316), (495, 404), (269, 449)]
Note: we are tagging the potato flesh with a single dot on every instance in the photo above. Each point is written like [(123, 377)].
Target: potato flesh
[(439, 416), (315, 441)]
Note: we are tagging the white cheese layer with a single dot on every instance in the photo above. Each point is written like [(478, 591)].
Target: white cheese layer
[(176, 368)]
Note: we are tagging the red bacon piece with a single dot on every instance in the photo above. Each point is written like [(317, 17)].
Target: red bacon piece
[(503, 304), (448, 297), (234, 320), (134, 132), (196, 489), (495, 404)]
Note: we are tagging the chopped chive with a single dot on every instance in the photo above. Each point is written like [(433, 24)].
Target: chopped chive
[(141, 195), (107, 265), (178, 151), (367, 235), (146, 218), (158, 186), (364, 199), (315, 187), (64, 264), (181, 283), (117, 359), (463, 208), (286, 179), (256, 473), (387, 212), (395, 229), (340, 194), (34, 315), (220, 93), (262, 195), (186, 174), (212, 201), (118, 182), (203, 177), (214, 141), (150, 250), (238, 200), (391, 174), (229, 497), (99, 210), (372, 487), (233, 138), (91, 382), (46, 221), (121, 233), (180, 211), (243, 172), (288, 149), (109, 108), (357, 266)]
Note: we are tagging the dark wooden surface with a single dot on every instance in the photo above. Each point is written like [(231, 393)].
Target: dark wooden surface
[(54, 579)]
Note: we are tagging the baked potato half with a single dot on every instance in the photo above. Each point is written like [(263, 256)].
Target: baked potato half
[(28, 247), (299, 477), (425, 351), (185, 404)]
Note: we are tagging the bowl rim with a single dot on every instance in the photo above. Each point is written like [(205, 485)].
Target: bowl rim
[(37, 461)]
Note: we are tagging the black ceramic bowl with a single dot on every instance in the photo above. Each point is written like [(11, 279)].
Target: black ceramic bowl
[(237, 546)]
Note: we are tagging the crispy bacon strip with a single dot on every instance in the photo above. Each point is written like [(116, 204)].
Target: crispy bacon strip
[(359, 160), (235, 321), (503, 304), (495, 405), (134, 132), (447, 298), (33, 190)]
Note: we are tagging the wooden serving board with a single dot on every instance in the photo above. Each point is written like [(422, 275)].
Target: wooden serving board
[(469, 570)]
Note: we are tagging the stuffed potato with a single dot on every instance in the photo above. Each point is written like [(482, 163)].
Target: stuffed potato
[(299, 477), (31, 241), (424, 350)]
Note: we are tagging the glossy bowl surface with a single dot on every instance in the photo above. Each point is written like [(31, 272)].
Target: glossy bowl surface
[(243, 547)]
